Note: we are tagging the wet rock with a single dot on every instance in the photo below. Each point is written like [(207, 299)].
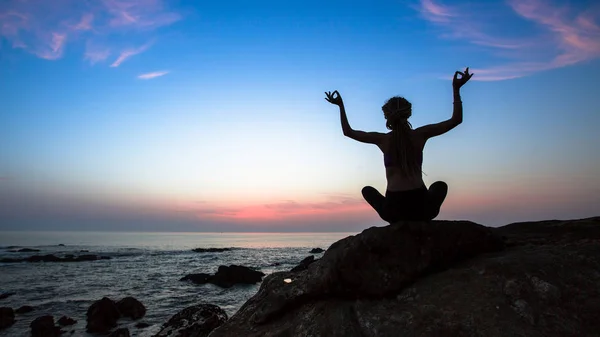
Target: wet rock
[(24, 250), (131, 307), (199, 278), (5, 295), (102, 316), (121, 332), (198, 321), (7, 317), (227, 276), (142, 325), (44, 327), (65, 321), (316, 251), (24, 309), (438, 278), (304, 264), (211, 250)]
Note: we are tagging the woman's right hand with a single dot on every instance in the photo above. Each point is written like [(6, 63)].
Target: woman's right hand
[(333, 99), (457, 82)]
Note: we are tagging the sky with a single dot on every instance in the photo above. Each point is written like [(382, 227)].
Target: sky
[(182, 115)]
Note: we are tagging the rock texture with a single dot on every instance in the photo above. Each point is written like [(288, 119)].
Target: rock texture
[(44, 327), (227, 276), (7, 317), (195, 321), (439, 278), (132, 308)]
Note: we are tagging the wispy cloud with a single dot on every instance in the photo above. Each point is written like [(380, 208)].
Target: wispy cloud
[(129, 53), (43, 28), (95, 53), (152, 75), (567, 36)]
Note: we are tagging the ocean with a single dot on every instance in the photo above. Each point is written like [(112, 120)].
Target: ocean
[(147, 266)]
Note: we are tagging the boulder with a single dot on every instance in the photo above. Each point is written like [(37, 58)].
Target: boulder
[(121, 332), (44, 327), (7, 317), (316, 251), (198, 321), (226, 277), (65, 321), (448, 279), (142, 325), (211, 250), (24, 309), (132, 308), (102, 316), (304, 264)]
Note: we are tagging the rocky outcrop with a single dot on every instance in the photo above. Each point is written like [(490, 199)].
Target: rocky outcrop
[(211, 250), (132, 308), (303, 265), (227, 277), (44, 327), (65, 321), (24, 250), (24, 309), (438, 278), (7, 317), (121, 332), (54, 258), (316, 251), (102, 316), (198, 321)]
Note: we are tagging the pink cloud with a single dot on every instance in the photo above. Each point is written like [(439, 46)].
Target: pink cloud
[(129, 53), (572, 40), (43, 28), (95, 53), (152, 75)]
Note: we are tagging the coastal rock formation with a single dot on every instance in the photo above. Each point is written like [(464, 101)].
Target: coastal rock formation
[(198, 321), (54, 258), (24, 309), (24, 250), (211, 250), (316, 251), (132, 308), (102, 316), (44, 327), (7, 317), (303, 265), (226, 277), (64, 321), (121, 332), (438, 278)]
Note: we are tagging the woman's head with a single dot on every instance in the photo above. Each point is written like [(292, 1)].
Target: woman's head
[(396, 111)]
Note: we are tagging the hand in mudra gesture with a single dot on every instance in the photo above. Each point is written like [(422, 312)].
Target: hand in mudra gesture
[(459, 82), (334, 98)]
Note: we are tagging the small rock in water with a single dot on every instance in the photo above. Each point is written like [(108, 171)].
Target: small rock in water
[(102, 316), (316, 251), (44, 327), (198, 320), (5, 295), (7, 317), (142, 325), (132, 308), (210, 250), (24, 309), (121, 332), (199, 278), (64, 321)]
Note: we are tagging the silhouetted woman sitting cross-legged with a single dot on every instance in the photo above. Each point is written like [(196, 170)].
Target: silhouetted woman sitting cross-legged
[(406, 196)]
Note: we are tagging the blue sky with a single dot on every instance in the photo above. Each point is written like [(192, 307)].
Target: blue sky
[(155, 115)]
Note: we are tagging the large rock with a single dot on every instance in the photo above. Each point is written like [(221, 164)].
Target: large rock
[(44, 327), (303, 265), (132, 308), (195, 321), (226, 277), (438, 279), (102, 316), (7, 317)]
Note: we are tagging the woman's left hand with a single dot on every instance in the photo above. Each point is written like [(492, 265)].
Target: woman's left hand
[(333, 99)]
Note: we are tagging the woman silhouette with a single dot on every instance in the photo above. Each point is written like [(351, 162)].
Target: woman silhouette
[(406, 196)]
